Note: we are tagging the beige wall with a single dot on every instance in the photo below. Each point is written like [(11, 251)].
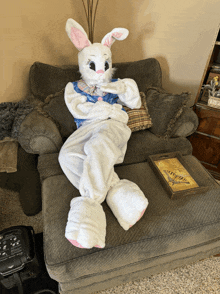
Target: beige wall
[(178, 33)]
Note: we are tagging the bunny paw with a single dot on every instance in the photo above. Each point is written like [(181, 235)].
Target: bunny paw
[(127, 203), (86, 225)]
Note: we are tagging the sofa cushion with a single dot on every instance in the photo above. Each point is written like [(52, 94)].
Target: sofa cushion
[(147, 73), (48, 165), (144, 143), (168, 227), (46, 79), (139, 119), (56, 107), (165, 109)]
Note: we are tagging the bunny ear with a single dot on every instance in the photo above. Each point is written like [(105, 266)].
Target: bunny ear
[(77, 34), (116, 34)]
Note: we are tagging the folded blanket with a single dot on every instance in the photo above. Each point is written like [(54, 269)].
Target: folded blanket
[(11, 116), (8, 155)]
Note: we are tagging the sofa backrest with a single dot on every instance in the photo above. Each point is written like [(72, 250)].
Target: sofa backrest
[(147, 73), (47, 79), (47, 84)]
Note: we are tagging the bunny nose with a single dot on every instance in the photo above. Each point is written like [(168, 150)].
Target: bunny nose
[(100, 71)]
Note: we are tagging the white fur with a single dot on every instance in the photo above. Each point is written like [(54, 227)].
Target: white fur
[(127, 202), (98, 54), (72, 23), (86, 223), (100, 110), (112, 38), (88, 156)]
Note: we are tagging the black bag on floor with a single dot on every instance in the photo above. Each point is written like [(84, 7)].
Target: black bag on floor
[(18, 261)]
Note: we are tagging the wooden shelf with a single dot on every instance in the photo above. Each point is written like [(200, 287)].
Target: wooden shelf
[(206, 140)]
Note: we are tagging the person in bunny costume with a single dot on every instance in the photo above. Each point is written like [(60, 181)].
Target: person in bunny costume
[(88, 156)]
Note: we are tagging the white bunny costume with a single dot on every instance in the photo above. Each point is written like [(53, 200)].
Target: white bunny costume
[(90, 153)]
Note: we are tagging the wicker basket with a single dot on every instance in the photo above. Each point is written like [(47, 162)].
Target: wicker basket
[(214, 102)]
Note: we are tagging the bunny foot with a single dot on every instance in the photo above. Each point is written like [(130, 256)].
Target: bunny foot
[(127, 203), (86, 225)]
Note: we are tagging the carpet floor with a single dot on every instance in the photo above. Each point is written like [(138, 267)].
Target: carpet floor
[(198, 278)]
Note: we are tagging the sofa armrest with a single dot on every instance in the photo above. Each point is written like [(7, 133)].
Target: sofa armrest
[(38, 134), (186, 124), (48, 166)]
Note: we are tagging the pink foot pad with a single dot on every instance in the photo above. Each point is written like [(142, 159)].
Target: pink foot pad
[(75, 243), (140, 216)]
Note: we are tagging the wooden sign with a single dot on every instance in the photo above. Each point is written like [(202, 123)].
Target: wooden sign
[(175, 174)]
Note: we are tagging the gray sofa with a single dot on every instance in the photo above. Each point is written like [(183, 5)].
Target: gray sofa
[(171, 232)]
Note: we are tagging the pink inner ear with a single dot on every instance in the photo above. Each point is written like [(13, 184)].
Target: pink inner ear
[(117, 35), (79, 39), (109, 40)]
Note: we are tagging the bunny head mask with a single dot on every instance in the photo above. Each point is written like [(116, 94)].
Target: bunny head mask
[(95, 60)]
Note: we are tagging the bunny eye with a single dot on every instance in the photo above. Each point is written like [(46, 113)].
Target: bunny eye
[(92, 65), (106, 65)]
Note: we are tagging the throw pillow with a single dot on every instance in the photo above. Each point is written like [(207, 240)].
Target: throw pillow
[(164, 110), (139, 119), (47, 79), (56, 107)]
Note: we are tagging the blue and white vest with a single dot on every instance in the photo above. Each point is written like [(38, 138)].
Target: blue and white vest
[(82, 88)]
